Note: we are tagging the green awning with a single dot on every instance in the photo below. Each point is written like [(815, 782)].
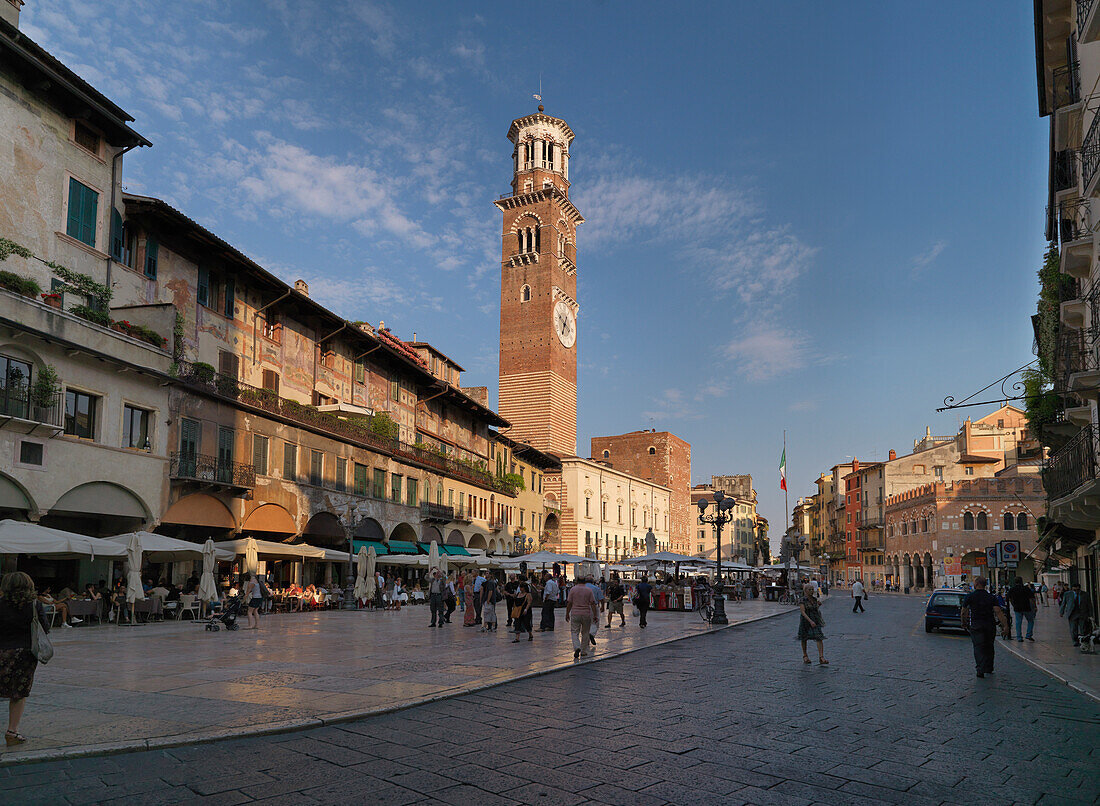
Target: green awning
[(455, 551), (379, 548), (403, 547)]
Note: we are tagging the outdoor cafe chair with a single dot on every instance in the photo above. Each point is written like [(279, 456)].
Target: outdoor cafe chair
[(188, 604)]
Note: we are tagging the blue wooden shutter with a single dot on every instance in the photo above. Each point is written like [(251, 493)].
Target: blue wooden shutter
[(151, 252), (229, 297), (202, 293)]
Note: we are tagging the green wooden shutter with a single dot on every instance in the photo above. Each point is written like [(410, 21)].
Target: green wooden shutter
[(88, 210), (116, 236), (152, 250), (229, 297), (202, 292), (76, 200)]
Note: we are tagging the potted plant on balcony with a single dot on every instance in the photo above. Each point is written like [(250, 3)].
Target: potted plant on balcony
[(44, 391), (20, 285), (53, 300)]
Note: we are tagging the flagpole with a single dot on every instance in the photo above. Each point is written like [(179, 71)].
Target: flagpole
[(786, 501)]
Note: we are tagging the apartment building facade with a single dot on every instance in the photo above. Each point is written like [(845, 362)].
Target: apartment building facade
[(739, 536), (1067, 324)]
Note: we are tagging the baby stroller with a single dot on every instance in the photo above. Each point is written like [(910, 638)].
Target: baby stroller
[(228, 615)]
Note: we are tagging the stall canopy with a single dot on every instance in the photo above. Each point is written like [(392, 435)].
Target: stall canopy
[(265, 548), (19, 537), (454, 551), (393, 547), (805, 569), (162, 549), (549, 557), (662, 557)]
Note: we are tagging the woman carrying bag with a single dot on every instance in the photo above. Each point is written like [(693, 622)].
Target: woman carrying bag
[(23, 642), (521, 612)]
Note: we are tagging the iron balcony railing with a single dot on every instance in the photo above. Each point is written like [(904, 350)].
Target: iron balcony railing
[(1065, 170), (363, 429), (1083, 9), (1071, 356), (1074, 221), (436, 512), (1067, 85), (872, 541), (1090, 151), (496, 524), (19, 401), (211, 469), (1073, 465)]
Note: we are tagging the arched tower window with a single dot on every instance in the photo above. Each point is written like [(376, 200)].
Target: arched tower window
[(968, 521), (607, 454), (525, 294), (1021, 522), (652, 451), (983, 522), (1009, 522)]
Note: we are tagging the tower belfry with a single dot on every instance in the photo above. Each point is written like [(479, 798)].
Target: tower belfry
[(538, 288)]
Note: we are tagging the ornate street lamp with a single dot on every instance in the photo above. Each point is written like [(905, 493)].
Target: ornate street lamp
[(723, 514), (349, 602)]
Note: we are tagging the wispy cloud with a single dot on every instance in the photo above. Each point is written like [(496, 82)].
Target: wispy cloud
[(763, 352), (928, 256), (717, 228), (803, 406)]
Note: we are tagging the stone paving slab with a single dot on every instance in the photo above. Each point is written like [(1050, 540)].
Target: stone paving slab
[(163, 684), (730, 717), (1053, 652)]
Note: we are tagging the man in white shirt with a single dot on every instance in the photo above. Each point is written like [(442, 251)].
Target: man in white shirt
[(858, 593), (550, 593), (598, 593)]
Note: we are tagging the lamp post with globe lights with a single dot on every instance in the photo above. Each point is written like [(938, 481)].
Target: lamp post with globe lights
[(723, 514)]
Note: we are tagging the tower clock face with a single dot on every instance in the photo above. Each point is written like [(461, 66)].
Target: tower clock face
[(565, 325)]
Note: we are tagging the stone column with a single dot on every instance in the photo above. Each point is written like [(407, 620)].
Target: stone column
[(906, 575), (929, 576)]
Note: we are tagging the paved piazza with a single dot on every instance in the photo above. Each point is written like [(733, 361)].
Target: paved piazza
[(732, 717), (176, 682)]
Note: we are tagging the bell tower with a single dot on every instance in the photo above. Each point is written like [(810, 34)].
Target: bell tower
[(538, 288)]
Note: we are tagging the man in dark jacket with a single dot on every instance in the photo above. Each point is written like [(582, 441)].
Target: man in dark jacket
[(1022, 599), (980, 616)]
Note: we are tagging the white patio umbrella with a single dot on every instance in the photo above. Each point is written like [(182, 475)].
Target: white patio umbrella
[(433, 556), (133, 574), (251, 560), (361, 563), (208, 590), (372, 584)]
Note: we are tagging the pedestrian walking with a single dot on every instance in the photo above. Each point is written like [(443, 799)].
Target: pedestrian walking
[(810, 625), (1075, 607), (1022, 599), (19, 606), (466, 593), (642, 593), (616, 598), (460, 584), (1043, 594), (450, 598), (580, 611), (521, 612), (980, 616), (479, 580), (594, 627), (859, 593), (436, 590), (255, 600), (487, 605), (510, 588), (550, 593)]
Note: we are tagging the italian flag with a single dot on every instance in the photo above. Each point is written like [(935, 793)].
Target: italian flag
[(783, 470)]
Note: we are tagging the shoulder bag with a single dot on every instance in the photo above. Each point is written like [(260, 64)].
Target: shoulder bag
[(41, 647)]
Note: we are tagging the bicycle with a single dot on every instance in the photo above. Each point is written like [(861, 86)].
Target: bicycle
[(705, 607), (791, 598)]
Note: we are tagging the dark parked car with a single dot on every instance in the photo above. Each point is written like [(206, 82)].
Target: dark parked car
[(943, 609)]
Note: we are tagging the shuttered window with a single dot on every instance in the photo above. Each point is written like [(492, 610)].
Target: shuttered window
[(151, 253), (340, 481), (316, 468), (83, 207), (117, 242), (228, 364), (259, 454), (360, 479), (290, 462), (229, 298), (202, 292)]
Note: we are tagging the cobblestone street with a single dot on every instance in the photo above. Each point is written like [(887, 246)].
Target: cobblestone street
[(730, 717)]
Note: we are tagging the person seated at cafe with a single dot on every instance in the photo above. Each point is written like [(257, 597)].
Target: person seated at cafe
[(46, 598), (147, 585), (192, 585), (90, 593), (159, 591), (174, 592)]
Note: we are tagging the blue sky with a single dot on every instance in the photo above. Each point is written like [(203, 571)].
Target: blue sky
[(815, 217)]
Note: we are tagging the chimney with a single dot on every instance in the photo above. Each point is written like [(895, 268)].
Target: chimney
[(893, 454), (414, 335), (9, 11), (301, 287)]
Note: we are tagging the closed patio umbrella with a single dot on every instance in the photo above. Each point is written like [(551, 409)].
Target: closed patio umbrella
[(361, 562), (372, 585), (251, 560), (133, 574), (208, 590), (433, 556)]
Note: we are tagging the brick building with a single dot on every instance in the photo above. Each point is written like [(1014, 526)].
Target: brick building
[(660, 457), (930, 525)]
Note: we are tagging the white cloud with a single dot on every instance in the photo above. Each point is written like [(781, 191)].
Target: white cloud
[(803, 406), (473, 52), (719, 230), (763, 352), (928, 256)]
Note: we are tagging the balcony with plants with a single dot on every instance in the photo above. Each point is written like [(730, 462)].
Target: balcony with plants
[(376, 432), (32, 406)]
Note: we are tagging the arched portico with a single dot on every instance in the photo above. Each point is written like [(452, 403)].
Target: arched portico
[(369, 529), (455, 538), (325, 529), (478, 541), (405, 532)]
